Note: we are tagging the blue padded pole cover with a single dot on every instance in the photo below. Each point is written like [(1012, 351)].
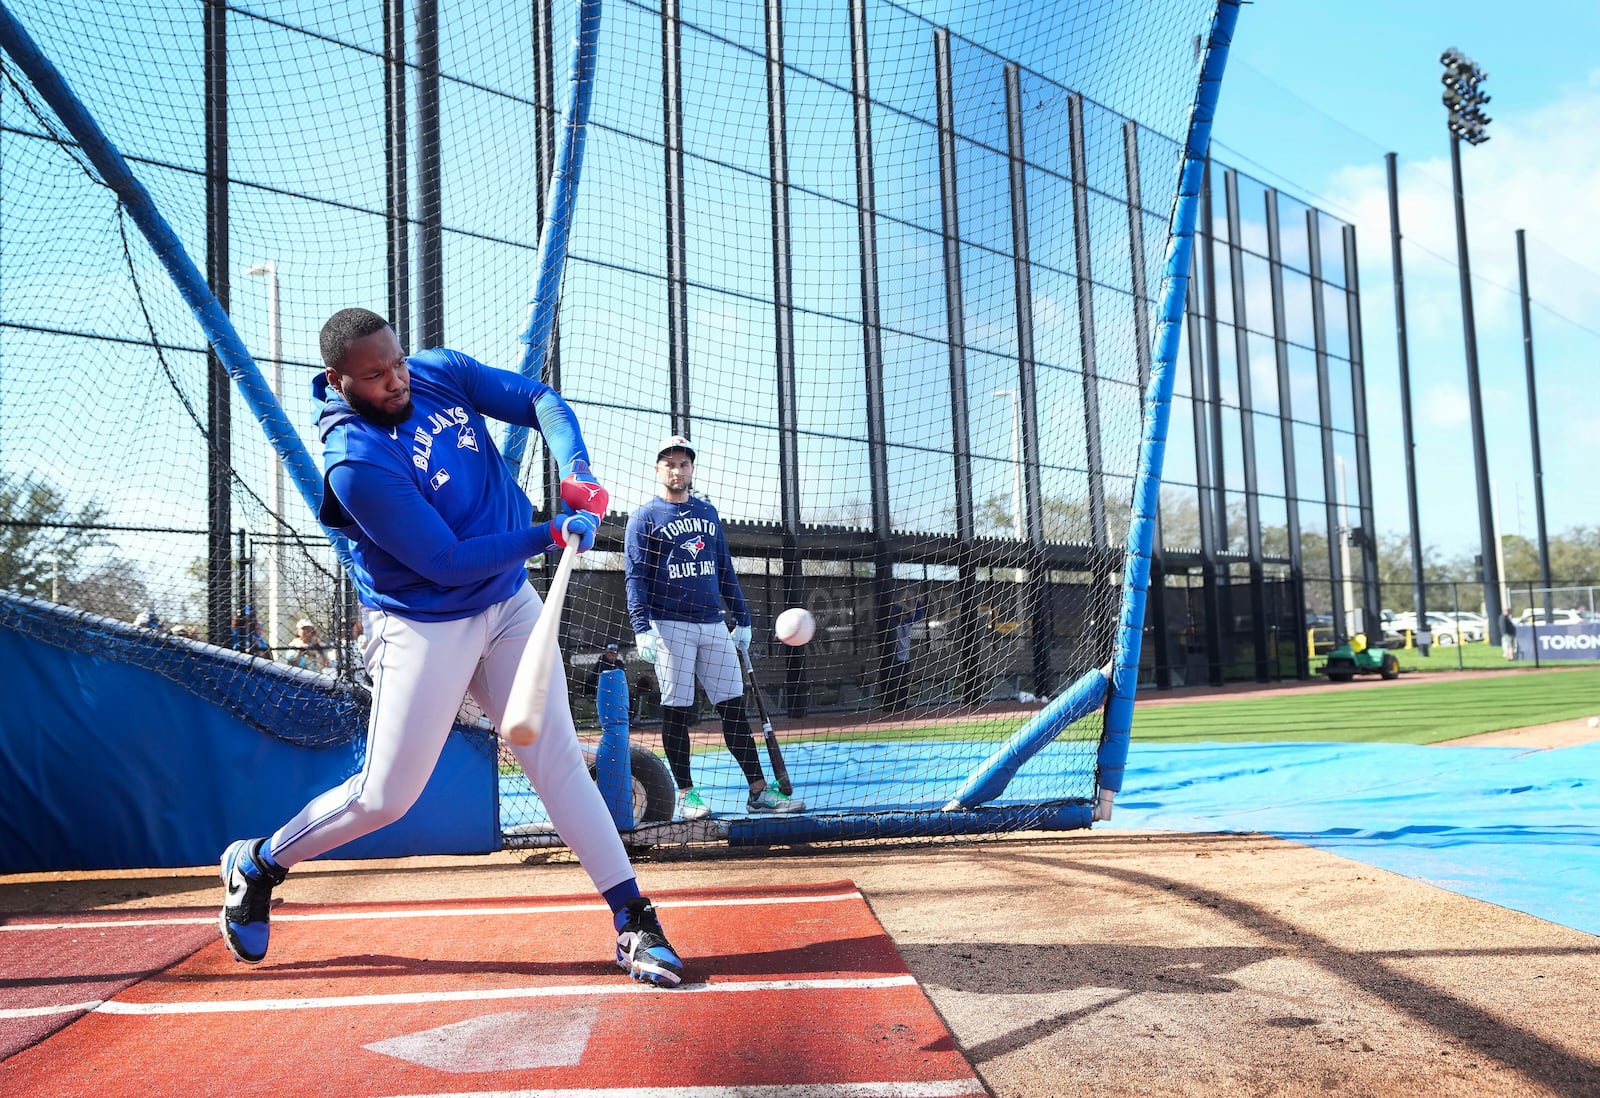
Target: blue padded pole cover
[(992, 776), (613, 766), (1115, 738), (559, 204)]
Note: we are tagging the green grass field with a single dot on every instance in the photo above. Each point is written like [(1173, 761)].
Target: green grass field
[(1415, 712), (1469, 657), (1438, 709)]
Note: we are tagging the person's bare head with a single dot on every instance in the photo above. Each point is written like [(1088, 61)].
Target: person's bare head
[(367, 366)]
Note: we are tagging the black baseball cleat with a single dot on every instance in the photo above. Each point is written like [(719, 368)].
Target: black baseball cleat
[(248, 880), (642, 948)]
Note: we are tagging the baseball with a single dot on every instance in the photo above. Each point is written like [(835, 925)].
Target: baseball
[(1594, 722), (795, 626)]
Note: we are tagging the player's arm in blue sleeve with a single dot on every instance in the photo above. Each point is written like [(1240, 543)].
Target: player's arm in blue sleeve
[(728, 582), (388, 507), (511, 398), (639, 565)]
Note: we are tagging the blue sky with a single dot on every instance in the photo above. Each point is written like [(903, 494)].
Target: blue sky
[(1315, 95)]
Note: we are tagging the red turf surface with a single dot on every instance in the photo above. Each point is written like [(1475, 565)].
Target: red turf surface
[(529, 999), (46, 968)]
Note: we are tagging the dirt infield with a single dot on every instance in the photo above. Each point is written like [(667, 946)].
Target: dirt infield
[(1116, 963)]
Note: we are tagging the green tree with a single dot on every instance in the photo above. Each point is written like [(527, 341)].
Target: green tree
[(1574, 557), (42, 540)]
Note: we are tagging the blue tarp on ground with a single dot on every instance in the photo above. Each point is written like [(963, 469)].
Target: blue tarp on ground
[(1516, 827)]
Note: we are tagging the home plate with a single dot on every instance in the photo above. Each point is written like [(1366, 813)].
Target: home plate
[(515, 1040)]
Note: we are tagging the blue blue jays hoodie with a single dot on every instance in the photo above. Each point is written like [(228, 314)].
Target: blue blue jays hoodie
[(440, 528), (678, 566)]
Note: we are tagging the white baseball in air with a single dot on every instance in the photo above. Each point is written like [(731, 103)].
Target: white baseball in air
[(1594, 722), (795, 626)]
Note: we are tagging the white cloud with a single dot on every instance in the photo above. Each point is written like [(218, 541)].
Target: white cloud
[(1540, 171)]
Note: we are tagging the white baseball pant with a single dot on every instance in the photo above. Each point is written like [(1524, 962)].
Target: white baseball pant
[(420, 670)]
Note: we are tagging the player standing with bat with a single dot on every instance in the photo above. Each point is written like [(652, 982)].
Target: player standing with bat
[(679, 577), (441, 534)]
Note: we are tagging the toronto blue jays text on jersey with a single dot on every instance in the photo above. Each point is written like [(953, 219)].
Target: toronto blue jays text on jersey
[(439, 528), (678, 567)]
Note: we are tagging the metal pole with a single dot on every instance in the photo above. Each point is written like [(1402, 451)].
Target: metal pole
[(1480, 455), (968, 656), (797, 682), (1408, 436), (275, 494), (1533, 426), (1291, 478), (219, 387), (677, 247), (397, 193), (430, 179)]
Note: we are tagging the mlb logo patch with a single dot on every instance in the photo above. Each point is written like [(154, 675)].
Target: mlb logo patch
[(439, 479)]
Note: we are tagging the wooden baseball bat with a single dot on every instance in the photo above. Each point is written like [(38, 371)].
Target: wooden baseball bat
[(780, 770), (530, 688)]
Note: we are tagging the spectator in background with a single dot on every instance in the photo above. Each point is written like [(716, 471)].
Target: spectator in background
[(246, 635), (903, 616), (610, 660), (307, 651), (1508, 635)]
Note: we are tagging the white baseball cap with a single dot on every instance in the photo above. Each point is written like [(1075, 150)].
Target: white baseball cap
[(674, 442)]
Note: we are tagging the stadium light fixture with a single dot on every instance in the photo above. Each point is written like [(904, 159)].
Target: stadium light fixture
[(1464, 103), (1463, 99)]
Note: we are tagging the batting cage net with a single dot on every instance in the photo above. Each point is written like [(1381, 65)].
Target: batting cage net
[(895, 270)]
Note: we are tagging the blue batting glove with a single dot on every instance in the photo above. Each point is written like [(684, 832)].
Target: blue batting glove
[(580, 525), (649, 644)]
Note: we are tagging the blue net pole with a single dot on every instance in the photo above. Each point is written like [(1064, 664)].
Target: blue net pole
[(559, 204), (1115, 738), (191, 284)]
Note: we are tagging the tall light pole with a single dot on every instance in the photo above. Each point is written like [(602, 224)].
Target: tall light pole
[(1468, 123), (1016, 459), (1350, 611), (1533, 426), (269, 271)]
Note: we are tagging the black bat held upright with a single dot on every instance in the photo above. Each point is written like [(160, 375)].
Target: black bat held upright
[(780, 771)]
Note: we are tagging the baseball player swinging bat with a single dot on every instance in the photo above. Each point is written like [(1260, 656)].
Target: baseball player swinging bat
[(530, 688), (779, 770)]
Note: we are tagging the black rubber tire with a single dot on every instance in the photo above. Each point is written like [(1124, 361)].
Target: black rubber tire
[(1340, 676), (655, 794), (1391, 666)]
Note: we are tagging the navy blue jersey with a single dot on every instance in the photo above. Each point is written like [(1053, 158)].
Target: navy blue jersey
[(678, 567), (440, 530)]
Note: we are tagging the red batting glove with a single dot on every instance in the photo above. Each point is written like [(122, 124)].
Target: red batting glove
[(581, 492)]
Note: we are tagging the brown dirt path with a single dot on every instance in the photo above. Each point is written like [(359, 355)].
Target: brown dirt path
[(1117, 963)]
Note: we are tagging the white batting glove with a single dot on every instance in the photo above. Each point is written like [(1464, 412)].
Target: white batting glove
[(741, 638), (649, 644)]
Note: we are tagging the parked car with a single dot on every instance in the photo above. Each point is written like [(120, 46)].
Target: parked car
[(1536, 616), (1447, 630)]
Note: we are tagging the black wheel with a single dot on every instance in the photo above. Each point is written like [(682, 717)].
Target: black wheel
[(655, 794), (1340, 676), (1391, 666)]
